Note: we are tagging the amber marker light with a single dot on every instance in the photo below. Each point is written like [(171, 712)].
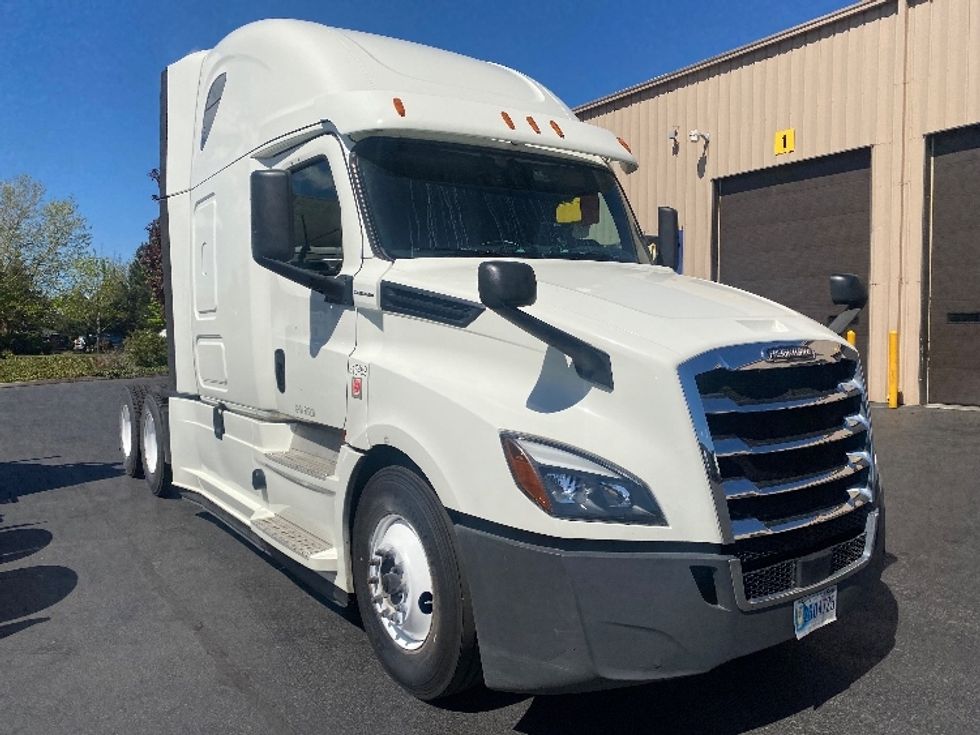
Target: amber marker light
[(625, 145), (399, 106), (526, 477), (533, 124), (508, 121), (554, 126)]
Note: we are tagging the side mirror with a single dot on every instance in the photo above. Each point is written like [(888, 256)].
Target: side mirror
[(668, 240), (505, 283), (272, 216), (846, 289), (272, 238)]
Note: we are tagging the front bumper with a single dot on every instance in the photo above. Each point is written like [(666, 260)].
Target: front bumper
[(578, 618)]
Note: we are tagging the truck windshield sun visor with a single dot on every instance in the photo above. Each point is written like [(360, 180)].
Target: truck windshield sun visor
[(431, 199)]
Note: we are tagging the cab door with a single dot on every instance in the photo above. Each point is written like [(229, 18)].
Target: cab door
[(312, 337)]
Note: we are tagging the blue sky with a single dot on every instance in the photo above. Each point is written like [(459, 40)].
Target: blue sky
[(79, 81)]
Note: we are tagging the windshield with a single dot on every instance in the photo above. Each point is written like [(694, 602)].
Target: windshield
[(429, 199)]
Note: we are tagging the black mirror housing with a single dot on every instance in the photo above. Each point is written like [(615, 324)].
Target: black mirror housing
[(506, 283), (668, 238), (272, 216), (846, 289)]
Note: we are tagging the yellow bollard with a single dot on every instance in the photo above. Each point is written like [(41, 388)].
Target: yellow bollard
[(893, 368), (852, 337)]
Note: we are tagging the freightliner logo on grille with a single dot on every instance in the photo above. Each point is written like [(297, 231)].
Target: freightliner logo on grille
[(788, 353)]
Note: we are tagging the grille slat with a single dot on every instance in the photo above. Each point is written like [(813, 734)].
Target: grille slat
[(741, 487), (737, 445), (723, 404)]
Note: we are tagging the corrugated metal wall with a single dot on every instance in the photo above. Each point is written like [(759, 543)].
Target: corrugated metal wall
[(883, 74)]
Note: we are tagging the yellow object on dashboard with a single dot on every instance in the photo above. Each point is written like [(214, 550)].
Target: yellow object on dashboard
[(569, 212)]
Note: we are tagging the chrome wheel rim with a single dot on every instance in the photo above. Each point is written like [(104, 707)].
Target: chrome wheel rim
[(400, 582), (150, 442), (126, 430)]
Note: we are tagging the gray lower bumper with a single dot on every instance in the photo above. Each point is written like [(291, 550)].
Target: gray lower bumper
[(551, 620)]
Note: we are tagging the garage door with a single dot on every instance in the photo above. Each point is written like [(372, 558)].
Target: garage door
[(782, 231), (953, 353)]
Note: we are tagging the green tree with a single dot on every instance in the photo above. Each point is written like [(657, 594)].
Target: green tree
[(22, 306), (99, 299), (40, 241)]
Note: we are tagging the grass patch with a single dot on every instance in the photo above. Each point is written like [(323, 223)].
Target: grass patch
[(18, 368)]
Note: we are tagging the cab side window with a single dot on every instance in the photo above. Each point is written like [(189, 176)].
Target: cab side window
[(317, 231)]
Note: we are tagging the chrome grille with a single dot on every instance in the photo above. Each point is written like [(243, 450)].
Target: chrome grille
[(787, 447)]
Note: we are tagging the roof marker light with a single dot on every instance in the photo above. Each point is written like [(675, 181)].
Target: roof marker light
[(625, 145), (399, 106), (534, 125), (554, 126), (508, 121)]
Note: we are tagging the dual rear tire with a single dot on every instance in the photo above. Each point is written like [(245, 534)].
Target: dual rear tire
[(144, 437)]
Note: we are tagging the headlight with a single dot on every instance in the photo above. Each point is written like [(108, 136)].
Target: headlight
[(566, 483)]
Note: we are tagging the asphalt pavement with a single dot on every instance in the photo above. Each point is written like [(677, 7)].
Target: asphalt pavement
[(124, 613)]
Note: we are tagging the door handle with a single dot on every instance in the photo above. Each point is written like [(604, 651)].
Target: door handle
[(280, 360)]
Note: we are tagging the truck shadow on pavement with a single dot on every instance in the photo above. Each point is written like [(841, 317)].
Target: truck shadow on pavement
[(744, 694), (34, 475), (28, 590)]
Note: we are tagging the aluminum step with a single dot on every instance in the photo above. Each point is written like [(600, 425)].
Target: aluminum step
[(312, 465), (289, 536)]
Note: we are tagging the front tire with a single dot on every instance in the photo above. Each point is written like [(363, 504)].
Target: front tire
[(410, 589), (154, 438)]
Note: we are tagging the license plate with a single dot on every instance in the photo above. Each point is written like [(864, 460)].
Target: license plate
[(814, 611)]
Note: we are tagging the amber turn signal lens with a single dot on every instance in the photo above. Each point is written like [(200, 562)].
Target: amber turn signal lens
[(399, 106), (625, 145), (508, 121), (554, 126), (533, 124), (525, 475)]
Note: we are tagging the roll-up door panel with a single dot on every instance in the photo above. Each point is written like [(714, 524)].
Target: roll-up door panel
[(953, 353), (782, 231)]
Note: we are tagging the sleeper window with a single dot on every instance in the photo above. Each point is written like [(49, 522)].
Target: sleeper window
[(316, 219), (211, 106)]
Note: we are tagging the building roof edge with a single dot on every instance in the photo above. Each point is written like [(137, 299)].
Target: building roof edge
[(837, 15)]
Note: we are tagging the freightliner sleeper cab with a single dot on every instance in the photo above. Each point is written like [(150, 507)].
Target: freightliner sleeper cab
[(419, 348)]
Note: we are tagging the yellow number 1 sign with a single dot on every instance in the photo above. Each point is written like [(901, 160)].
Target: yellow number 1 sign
[(784, 141)]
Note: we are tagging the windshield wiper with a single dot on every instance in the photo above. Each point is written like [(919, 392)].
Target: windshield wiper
[(602, 257)]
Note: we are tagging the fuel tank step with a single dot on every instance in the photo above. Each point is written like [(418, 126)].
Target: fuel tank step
[(315, 466), (311, 550)]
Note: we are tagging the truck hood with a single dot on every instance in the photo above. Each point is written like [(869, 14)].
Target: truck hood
[(627, 304)]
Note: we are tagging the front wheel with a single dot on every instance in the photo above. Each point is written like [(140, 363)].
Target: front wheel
[(410, 588)]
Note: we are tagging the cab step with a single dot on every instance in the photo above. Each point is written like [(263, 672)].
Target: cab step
[(311, 470), (311, 551)]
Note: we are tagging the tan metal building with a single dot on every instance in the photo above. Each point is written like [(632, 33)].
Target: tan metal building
[(847, 144)]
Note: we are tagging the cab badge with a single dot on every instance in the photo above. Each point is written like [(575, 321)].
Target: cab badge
[(788, 353)]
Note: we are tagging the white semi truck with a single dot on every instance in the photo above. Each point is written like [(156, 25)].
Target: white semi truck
[(419, 348)]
